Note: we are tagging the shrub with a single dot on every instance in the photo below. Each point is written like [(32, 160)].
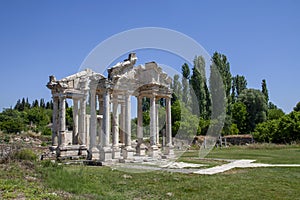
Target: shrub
[(25, 154), (46, 131)]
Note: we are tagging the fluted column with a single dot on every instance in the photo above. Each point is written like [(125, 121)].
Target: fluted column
[(157, 123), (152, 121), (140, 119), (81, 122), (115, 131), (127, 121), (140, 148), (75, 121), (93, 119), (106, 119), (154, 151), (62, 120), (101, 111), (122, 123), (106, 151), (169, 145), (128, 151), (55, 122)]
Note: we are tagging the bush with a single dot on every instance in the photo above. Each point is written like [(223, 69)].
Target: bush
[(25, 154), (46, 131)]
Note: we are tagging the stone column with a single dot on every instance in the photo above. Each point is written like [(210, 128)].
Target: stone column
[(122, 123), (93, 125), (128, 150), (62, 120), (75, 121), (55, 122), (154, 149), (115, 131), (81, 127), (169, 145), (101, 111), (140, 148), (157, 123), (105, 152)]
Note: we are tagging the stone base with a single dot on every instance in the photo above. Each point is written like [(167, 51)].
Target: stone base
[(105, 154), (154, 151), (116, 153), (141, 150), (82, 150), (70, 150), (95, 155), (169, 150), (128, 153), (65, 138)]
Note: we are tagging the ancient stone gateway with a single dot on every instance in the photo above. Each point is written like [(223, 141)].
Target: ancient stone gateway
[(102, 130)]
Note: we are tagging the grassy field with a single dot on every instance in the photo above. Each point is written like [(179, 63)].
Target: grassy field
[(48, 181)]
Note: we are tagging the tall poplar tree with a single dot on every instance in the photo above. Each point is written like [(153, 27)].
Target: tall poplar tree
[(223, 66), (198, 88), (239, 83), (264, 90), (177, 88), (185, 85)]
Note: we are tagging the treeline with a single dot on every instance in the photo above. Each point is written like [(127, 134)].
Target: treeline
[(35, 116), (245, 110), (25, 116)]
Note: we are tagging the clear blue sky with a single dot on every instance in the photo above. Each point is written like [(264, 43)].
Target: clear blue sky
[(40, 38)]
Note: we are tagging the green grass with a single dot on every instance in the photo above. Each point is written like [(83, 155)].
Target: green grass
[(267, 153), (19, 180), (103, 183), (82, 182)]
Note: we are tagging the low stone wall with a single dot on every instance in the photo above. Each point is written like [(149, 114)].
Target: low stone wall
[(239, 139)]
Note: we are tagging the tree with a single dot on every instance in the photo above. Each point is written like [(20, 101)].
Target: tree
[(184, 123), (18, 105), (266, 131), (275, 113), (177, 88), (218, 96), (223, 66), (27, 104), (297, 107), (289, 128), (264, 90), (239, 83), (239, 116), (42, 103), (35, 103), (185, 77), (11, 121), (198, 90), (255, 103)]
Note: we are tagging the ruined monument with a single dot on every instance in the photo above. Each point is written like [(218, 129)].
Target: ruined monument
[(103, 131)]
